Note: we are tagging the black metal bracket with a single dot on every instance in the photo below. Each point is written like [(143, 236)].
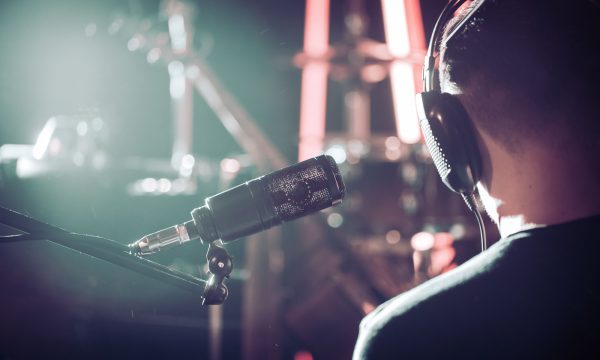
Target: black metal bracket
[(220, 265)]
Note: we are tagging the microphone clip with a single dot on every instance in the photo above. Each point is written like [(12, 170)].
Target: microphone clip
[(220, 265)]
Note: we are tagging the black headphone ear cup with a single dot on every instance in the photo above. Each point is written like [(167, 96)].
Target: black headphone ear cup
[(450, 139)]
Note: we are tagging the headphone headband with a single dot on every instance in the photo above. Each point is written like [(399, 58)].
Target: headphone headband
[(447, 13)]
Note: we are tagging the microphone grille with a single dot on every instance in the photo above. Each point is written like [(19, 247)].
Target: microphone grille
[(306, 187)]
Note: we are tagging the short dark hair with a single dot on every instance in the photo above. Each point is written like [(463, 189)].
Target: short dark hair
[(527, 67)]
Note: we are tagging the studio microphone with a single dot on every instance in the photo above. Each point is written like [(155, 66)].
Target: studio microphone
[(256, 205)]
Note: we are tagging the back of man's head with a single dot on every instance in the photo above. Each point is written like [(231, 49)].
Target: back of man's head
[(527, 70)]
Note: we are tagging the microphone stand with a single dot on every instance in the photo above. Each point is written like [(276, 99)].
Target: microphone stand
[(220, 263), (98, 247)]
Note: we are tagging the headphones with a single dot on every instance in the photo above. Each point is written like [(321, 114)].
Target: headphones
[(446, 126)]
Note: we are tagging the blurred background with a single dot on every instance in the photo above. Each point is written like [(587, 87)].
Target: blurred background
[(117, 118)]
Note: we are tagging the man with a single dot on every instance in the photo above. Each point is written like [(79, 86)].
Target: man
[(526, 72)]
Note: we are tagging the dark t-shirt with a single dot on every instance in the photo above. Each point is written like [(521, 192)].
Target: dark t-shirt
[(535, 294)]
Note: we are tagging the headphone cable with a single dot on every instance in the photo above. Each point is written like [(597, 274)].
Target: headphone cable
[(471, 204)]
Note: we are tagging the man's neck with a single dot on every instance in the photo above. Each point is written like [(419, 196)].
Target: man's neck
[(539, 187)]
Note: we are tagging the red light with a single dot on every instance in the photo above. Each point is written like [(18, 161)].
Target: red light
[(313, 100)]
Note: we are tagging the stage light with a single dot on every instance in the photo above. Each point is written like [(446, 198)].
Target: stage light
[(178, 83), (335, 220), (177, 32), (404, 34), (393, 237), (313, 100), (43, 141), (422, 241), (338, 153)]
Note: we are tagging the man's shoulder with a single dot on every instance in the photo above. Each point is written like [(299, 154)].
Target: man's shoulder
[(440, 307), (536, 286)]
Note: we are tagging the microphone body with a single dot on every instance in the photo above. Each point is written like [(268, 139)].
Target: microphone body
[(256, 205)]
